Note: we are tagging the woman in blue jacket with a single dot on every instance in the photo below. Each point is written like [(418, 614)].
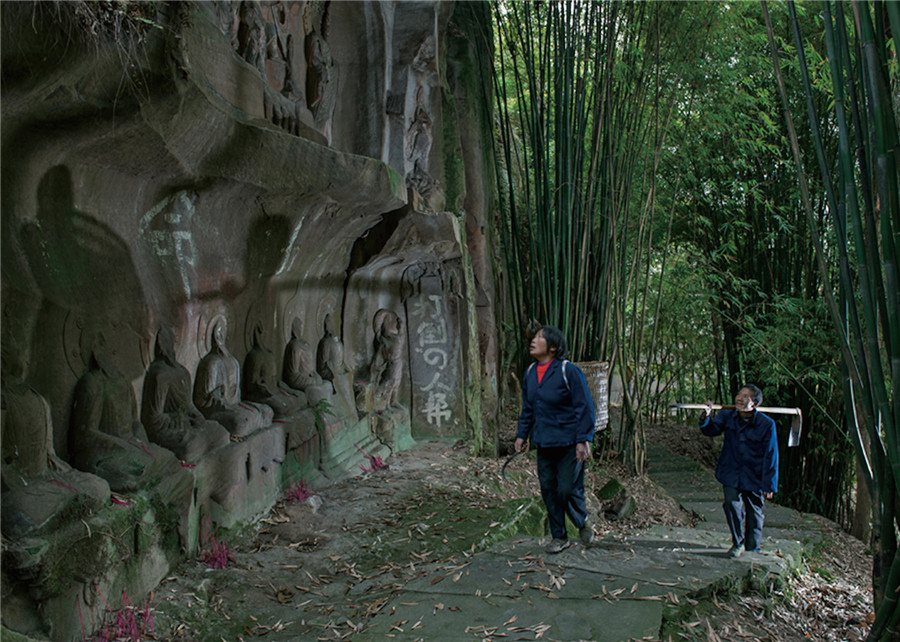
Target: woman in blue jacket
[(558, 413)]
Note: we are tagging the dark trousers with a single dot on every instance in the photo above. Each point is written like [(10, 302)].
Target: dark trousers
[(562, 487), (744, 514)]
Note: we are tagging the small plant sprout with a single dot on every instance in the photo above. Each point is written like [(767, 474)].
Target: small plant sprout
[(214, 553), (130, 623), (375, 463), (297, 492)]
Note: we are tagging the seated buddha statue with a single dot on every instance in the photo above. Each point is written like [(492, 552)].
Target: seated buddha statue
[(299, 367), (105, 436), (217, 389), (167, 410), (262, 384)]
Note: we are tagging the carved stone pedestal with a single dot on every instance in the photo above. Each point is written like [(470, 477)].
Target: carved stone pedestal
[(393, 428), (303, 450), (346, 448), (49, 501), (66, 572), (241, 479)]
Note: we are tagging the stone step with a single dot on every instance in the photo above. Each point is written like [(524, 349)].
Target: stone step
[(615, 589)]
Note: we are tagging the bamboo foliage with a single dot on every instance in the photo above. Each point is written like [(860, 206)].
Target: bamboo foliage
[(559, 95), (553, 145), (567, 148), (639, 353), (864, 206), (585, 93)]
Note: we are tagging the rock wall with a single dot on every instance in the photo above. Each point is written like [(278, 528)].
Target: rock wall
[(309, 178)]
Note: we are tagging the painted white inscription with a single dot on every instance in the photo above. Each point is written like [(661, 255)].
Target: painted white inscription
[(433, 344)]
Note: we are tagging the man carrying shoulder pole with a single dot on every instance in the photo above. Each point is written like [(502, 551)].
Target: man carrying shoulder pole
[(748, 465)]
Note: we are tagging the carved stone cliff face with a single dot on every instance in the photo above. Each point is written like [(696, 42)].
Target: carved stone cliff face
[(241, 159), (309, 170)]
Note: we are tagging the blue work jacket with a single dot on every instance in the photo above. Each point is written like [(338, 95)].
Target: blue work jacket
[(749, 458), (554, 412)]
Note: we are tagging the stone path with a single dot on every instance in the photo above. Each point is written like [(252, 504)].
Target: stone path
[(431, 549), (610, 591)]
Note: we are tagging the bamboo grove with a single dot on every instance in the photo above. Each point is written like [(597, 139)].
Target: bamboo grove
[(862, 197), (705, 194), (577, 84)]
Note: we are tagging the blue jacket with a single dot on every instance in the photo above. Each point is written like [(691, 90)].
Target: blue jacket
[(749, 459), (553, 412)]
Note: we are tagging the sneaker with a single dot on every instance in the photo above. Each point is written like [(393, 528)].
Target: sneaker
[(557, 545), (735, 551), (586, 533)]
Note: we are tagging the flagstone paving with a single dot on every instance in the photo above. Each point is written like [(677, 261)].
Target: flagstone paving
[(613, 590), (413, 553)]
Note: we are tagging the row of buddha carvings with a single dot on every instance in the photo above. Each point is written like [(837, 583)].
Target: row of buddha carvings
[(110, 438)]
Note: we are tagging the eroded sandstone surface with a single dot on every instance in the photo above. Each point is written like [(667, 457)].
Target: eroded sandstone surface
[(187, 189)]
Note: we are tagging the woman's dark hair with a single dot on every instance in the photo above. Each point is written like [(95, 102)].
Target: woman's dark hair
[(755, 393), (555, 339)]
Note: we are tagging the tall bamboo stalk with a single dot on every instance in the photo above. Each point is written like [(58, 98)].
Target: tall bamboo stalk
[(873, 340)]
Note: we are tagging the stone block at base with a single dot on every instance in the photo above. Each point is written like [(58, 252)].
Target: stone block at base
[(393, 428), (73, 576), (347, 449), (242, 479), (302, 449)]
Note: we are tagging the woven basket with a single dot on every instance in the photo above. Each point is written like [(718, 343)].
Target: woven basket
[(597, 375)]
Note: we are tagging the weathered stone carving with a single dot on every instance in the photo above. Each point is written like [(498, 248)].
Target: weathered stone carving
[(299, 368), (290, 89), (419, 136), (378, 398), (105, 436), (262, 384), (37, 485), (217, 388), (265, 35), (330, 354), (425, 60), (320, 66), (318, 70), (387, 364), (419, 139), (168, 413), (251, 35), (27, 437)]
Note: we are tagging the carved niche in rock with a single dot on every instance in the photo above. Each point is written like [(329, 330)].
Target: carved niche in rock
[(168, 411), (217, 391), (262, 384)]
